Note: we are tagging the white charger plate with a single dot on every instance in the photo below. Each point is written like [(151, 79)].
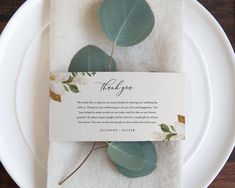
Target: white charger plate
[(24, 67)]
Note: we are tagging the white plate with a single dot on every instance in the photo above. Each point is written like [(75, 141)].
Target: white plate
[(210, 71)]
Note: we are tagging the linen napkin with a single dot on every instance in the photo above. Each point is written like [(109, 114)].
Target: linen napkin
[(74, 24)]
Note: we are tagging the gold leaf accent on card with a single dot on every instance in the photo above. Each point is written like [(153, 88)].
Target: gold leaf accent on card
[(54, 96), (52, 77), (181, 119)]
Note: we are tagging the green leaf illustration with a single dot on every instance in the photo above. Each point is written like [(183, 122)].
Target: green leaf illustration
[(172, 128), (126, 154), (89, 74), (73, 88), (74, 74), (126, 22), (68, 81), (165, 128), (150, 160), (66, 88), (169, 136), (91, 58)]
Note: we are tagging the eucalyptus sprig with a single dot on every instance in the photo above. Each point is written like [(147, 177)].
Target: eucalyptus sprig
[(126, 23)]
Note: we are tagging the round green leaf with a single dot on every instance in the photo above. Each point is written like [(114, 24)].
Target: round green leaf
[(91, 58), (126, 154), (150, 160), (126, 22)]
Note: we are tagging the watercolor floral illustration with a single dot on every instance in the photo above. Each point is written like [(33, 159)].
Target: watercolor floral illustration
[(62, 83), (169, 132)]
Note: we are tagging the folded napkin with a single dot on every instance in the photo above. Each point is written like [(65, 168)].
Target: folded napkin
[(74, 24)]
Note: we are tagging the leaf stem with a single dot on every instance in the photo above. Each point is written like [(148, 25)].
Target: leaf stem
[(111, 56), (105, 146), (79, 166)]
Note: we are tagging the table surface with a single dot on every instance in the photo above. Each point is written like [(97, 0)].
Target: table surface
[(223, 11)]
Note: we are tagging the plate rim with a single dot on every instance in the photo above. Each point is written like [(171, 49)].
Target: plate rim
[(4, 37), (231, 54)]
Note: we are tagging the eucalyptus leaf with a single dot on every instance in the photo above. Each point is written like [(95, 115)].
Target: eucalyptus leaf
[(126, 22), (91, 58), (126, 154), (150, 160)]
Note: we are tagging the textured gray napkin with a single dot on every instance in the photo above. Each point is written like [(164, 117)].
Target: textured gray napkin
[(74, 25)]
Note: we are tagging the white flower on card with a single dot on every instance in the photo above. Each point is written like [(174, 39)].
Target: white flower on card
[(57, 88), (158, 136), (178, 137), (59, 77)]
